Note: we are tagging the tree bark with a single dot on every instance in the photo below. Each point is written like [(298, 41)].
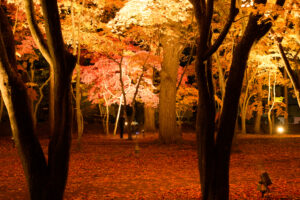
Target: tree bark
[(214, 150), (259, 111), (19, 110), (45, 181), (167, 97), (149, 119), (253, 33), (294, 77), (42, 46)]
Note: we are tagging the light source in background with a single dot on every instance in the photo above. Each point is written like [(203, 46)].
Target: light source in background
[(280, 129)]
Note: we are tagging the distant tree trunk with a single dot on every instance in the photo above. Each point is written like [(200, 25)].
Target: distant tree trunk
[(77, 50), (149, 119), (46, 180), (102, 113), (259, 112), (271, 102), (286, 101), (246, 102), (118, 115), (107, 116), (168, 132)]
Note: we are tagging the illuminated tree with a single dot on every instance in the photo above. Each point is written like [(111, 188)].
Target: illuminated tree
[(46, 179), (214, 140), (168, 21)]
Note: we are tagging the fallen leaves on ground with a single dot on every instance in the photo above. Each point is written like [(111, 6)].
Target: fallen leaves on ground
[(108, 168)]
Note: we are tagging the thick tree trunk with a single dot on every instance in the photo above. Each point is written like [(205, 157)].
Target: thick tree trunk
[(149, 119), (168, 132), (63, 64), (18, 106), (253, 32)]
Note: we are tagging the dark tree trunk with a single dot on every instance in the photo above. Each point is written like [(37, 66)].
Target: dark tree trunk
[(19, 110), (168, 132), (63, 64), (253, 32), (45, 181), (214, 147)]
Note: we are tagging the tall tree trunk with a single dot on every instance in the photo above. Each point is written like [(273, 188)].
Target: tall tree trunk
[(149, 119), (167, 97), (259, 112), (45, 181), (253, 32), (77, 49), (42, 46), (19, 110)]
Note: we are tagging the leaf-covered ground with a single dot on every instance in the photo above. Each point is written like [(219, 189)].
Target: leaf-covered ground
[(109, 168)]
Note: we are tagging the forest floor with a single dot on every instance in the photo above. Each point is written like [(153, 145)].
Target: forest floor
[(109, 168)]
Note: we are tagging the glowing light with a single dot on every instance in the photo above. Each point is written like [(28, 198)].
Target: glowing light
[(280, 130)]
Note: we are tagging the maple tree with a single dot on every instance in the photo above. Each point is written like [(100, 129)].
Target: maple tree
[(128, 79)]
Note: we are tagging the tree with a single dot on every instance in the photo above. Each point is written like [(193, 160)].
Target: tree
[(159, 20), (46, 180), (214, 140)]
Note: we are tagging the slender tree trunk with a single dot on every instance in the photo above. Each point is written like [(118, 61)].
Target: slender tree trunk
[(286, 101), (118, 115), (149, 119), (294, 76), (259, 112), (107, 116), (167, 97), (77, 49), (271, 102)]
